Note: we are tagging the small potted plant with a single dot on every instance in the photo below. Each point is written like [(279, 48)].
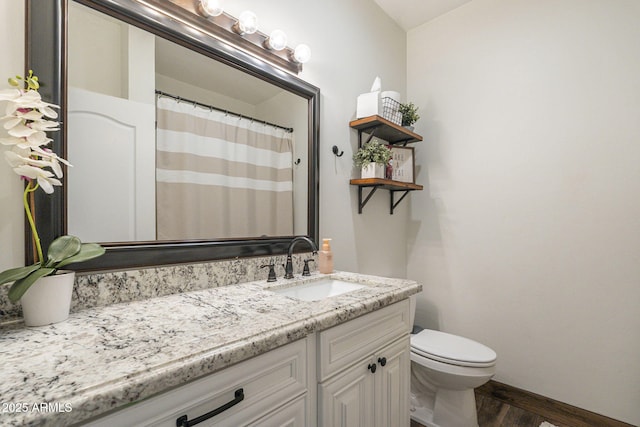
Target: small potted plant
[(43, 288), (409, 115), (372, 158)]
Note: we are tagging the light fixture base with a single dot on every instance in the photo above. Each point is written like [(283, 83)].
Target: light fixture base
[(221, 28)]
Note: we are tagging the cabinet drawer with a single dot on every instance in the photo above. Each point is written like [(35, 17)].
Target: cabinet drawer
[(293, 414), (345, 344), (268, 381)]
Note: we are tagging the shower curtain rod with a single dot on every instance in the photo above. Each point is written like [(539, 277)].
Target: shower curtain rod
[(211, 107)]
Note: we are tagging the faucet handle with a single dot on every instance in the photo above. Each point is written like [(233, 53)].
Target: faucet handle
[(305, 270), (272, 272)]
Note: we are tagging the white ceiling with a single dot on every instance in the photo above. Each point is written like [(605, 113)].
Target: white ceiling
[(412, 13)]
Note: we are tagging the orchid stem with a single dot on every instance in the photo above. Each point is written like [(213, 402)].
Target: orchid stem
[(36, 237)]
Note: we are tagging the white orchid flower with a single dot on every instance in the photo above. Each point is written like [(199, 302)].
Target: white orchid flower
[(22, 142), (47, 159), (45, 152), (11, 141), (45, 125), (45, 178), (27, 121), (34, 115), (52, 159), (28, 100), (11, 122), (21, 131), (48, 111), (17, 158), (9, 94), (25, 125), (23, 152), (38, 138)]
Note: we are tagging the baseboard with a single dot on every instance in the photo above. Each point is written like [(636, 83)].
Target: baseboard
[(549, 409)]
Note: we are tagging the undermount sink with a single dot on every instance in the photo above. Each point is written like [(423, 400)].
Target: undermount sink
[(317, 290)]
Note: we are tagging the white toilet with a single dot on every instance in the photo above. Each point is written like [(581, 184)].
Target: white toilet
[(445, 369)]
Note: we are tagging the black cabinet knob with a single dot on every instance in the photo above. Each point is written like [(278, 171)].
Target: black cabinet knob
[(382, 361), (372, 368)]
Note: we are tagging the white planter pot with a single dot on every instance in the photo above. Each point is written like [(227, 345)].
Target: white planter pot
[(373, 170), (48, 300)]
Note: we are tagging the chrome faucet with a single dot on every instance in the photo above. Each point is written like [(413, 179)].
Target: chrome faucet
[(288, 269)]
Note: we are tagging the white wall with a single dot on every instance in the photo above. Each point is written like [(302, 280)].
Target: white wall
[(527, 237), (11, 213)]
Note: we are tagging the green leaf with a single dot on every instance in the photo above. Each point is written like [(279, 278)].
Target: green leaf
[(19, 287), (87, 251), (62, 248), (17, 273)]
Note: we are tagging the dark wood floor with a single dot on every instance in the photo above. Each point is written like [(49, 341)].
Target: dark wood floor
[(501, 405), (495, 413)]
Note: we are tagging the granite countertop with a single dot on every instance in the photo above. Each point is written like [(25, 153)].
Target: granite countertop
[(103, 358)]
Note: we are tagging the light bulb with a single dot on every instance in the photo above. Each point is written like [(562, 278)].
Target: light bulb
[(210, 7), (277, 40), (302, 53), (247, 23)]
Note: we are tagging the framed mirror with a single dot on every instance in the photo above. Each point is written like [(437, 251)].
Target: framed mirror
[(179, 65)]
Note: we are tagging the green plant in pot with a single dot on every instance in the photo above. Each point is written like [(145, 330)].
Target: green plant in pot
[(27, 121), (372, 158), (409, 114)]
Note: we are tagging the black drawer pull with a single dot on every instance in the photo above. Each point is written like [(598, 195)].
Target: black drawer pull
[(183, 421)]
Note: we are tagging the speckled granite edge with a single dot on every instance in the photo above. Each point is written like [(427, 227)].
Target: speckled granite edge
[(101, 289), (156, 381)]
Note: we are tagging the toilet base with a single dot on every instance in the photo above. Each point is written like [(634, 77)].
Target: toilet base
[(423, 415), (452, 408)]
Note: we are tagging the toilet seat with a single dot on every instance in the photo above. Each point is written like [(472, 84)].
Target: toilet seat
[(452, 349)]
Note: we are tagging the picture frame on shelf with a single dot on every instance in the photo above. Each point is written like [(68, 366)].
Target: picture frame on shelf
[(403, 161)]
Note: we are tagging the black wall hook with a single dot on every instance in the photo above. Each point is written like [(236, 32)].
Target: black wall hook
[(335, 151), (297, 162)]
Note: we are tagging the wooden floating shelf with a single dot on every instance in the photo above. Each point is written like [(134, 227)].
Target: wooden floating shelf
[(384, 129), (377, 126), (387, 184)]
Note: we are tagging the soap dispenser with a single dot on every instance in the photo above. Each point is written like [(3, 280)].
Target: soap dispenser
[(325, 257)]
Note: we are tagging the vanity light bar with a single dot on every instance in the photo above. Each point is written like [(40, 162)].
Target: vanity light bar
[(207, 16), (245, 28)]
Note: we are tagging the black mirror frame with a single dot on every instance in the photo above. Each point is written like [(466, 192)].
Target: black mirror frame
[(46, 54)]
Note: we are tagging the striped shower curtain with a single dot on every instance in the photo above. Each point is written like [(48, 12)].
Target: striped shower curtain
[(220, 176)]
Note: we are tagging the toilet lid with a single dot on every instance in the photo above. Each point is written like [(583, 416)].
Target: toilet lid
[(452, 349)]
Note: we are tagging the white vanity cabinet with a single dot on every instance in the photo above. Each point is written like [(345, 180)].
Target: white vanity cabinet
[(364, 370), (273, 389), (353, 374)]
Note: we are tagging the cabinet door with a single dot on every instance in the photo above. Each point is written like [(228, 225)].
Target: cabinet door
[(347, 399), (392, 385), (360, 338)]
